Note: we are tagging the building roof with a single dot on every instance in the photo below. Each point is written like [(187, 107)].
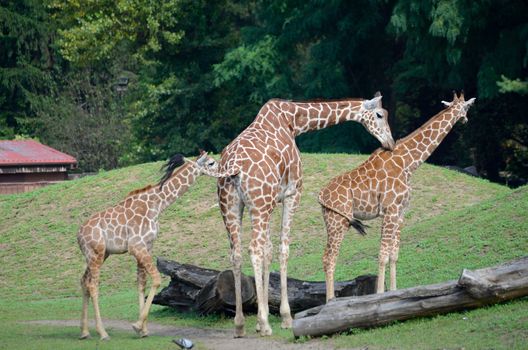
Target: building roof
[(29, 152)]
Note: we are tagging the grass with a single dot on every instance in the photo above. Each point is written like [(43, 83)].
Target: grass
[(497, 327), (454, 222)]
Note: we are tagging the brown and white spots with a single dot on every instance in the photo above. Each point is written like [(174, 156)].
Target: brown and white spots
[(132, 226), (385, 192), (265, 167)]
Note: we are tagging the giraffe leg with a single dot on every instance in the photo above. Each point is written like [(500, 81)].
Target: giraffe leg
[(390, 222), (393, 257), (85, 333), (145, 260), (268, 255), (290, 205), (92, 285), (236, 259), (336, 227), (260, 224), (232, 209), (142, 282)]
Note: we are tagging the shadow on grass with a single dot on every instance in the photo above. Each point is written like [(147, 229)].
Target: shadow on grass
[(166, 314)]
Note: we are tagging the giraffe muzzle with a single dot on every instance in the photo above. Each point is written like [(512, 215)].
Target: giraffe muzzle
[(388, 144)]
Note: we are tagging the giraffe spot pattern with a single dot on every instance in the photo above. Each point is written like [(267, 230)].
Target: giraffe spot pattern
[(381, 187)]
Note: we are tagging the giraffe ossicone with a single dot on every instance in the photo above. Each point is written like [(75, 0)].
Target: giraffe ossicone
[(381, 187), (132, 226), (261, 168)]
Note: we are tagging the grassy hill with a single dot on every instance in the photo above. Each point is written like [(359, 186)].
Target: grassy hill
[(454, 222)]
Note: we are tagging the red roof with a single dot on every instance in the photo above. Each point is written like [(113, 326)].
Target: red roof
[(29, 152)]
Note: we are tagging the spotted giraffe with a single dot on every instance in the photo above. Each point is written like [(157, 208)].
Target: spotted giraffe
[(132, 226), (265, 169), (381, 187)]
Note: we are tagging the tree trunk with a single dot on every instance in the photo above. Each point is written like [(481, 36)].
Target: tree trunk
[(473, 289), (206, 291)]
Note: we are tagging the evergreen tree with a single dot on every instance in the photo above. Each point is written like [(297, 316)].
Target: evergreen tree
[(464, 45), (27, 64)]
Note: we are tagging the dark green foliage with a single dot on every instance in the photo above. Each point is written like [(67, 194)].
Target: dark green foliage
[(179, 108), (500, 138), (86, 118), (312, 49), (72, 109), (26, 64), (464, 45), (200, 70)]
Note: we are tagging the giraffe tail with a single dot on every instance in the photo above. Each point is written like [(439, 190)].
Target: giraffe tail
[(359, 226)]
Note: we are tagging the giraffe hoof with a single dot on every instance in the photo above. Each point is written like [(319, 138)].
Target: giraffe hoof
[(84, 336), (105, 338), (142, 332), (137, 328), (286, 323), (240, 332), (265, 331)]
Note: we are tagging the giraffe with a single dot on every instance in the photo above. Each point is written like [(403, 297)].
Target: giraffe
[(262, 167), (381, 187), (132, 226)]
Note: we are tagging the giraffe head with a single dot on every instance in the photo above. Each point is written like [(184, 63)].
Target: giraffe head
[(174, 162), (206, 164), (375, 119), (460, 106)]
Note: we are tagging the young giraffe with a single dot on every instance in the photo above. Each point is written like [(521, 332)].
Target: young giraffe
[(132, 226), (381, 187), (264, 165)]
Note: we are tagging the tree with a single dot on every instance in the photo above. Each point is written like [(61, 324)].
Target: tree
[(312, 49), (171, 47), (199, 71), (84, 117), (182, 110), (462, 45), (27, 64)]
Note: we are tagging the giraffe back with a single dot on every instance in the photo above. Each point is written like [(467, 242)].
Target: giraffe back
[(267, 152), (363, 192), (112, 229)]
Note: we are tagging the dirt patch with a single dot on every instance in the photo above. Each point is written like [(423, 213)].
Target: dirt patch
[(218, 339)]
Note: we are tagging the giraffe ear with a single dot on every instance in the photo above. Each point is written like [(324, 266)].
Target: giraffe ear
[(373, 103), (469, 103), (202, 156), (447, 104)]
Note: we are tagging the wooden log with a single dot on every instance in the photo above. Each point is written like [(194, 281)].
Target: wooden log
[(186, 283), (473, 289), (207, 291), (218, 295), (303, 295)]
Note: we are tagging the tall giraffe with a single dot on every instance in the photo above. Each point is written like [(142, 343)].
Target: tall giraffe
[(381, 187), (265, 168), (132, 226)]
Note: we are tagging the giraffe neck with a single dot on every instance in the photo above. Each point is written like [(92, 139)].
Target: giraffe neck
[(177, 184), (420, 144), (307, 116)]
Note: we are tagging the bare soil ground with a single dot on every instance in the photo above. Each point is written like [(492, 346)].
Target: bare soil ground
[(217, 339)]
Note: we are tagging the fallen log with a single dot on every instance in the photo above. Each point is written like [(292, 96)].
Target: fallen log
[(473, 289), (207, 291)]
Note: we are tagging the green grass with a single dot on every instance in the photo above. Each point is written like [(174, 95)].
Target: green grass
[(454, 222), (497, 327)]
